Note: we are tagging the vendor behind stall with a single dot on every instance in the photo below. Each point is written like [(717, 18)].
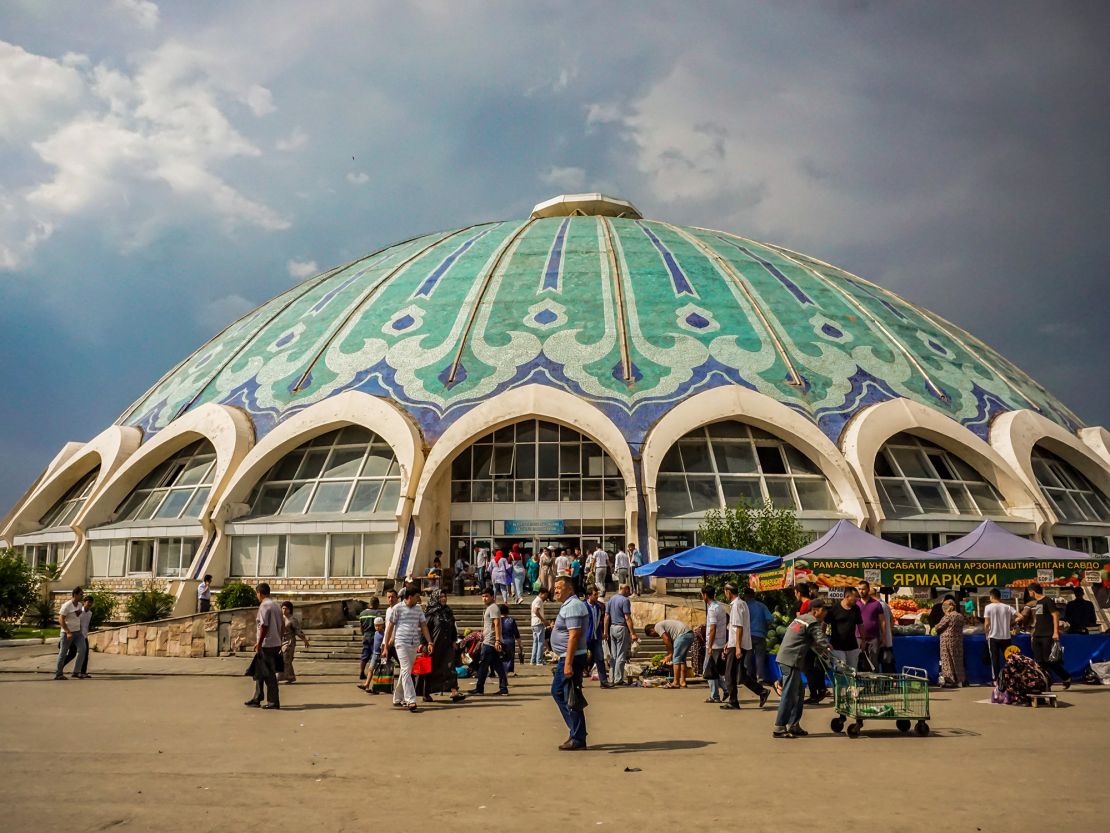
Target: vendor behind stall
[(1080, 613)]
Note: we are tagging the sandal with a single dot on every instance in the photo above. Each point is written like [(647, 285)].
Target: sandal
[(670, 685)]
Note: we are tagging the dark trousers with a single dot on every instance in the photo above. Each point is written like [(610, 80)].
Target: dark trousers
[(71, 653), (997, 649), (490, 660), (265, 674), (815, 675), (560, 688), (1042, 647), (204, 605), (597, 657), (756, 659), (736, 674)]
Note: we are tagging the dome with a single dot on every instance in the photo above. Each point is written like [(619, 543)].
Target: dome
[(631, 314)]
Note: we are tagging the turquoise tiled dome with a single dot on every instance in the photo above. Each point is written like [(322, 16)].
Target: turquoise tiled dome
[(631, 315)]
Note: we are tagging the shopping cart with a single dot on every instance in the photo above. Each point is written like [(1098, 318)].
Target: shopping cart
[(861, 696)]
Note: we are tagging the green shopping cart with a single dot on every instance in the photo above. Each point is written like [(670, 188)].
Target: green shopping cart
[(860, 696)]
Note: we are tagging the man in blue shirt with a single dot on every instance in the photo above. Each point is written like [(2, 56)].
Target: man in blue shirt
[(568, 642), (760, 618), (596, 610)]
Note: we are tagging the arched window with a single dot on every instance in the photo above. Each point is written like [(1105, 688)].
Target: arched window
[(1073, 497), (727, 463), (344, 471), (67, 507), (532, 461), (915, 477), (178, 488)]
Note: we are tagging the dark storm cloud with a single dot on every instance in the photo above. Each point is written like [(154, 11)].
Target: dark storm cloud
[(956, 153)]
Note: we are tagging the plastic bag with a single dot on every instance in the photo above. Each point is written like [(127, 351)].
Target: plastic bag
[(1102, 671), (1056, 654)]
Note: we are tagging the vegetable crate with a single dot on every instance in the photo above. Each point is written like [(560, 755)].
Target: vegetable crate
[(861, 696)]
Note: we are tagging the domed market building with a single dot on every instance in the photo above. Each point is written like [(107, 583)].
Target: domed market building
[(579, 376)]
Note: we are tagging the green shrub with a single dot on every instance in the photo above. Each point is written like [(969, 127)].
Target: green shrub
[(17, 584), (149, 604), (236, 594), (6, 630), (42, 613), (103, 603)]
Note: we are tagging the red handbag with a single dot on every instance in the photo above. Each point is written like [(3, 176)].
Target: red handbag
[(422, 665)]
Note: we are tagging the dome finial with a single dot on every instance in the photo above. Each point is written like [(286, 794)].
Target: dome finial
[(585, 205)]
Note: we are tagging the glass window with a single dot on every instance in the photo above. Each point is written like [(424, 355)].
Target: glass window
[(244, 555), (703, 493), (271, 556), (770, 459), (813, 494), (695, 455), (366, 496), (67, 507), (330, 497), (779, 492), (1075, 497), (344, 462), (930, 480), (391, 493), (169, 491), (346, 555), (98, 556), (742, 490), (305, 554), (734, 458), (377, 553), (269, 499), (672, 497), (141, 559), (117, 558)]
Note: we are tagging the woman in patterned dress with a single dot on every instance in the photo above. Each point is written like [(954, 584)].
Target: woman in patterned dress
[(291, 629), (951, 630), (547, 571), (1020, 679)]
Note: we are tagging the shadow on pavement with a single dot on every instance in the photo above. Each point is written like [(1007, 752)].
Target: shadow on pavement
[(650, 746)]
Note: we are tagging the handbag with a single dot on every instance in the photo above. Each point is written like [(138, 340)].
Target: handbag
[(1056, 654), (382, 679), (422, 665)]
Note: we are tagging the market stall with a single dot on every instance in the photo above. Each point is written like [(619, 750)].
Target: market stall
[(705, 560)]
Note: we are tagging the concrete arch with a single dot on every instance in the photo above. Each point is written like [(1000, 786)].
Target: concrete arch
[(1014, 435), (761, 411), (871, 428), (1098, 439), (109, 450), (432, 505), (350, 408), (228, 429)]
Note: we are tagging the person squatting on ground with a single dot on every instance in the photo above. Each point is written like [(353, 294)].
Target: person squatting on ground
[(403, 631), (490, 657), (677, 638), (806, 633), (620, 630), (569, 646), (291, 629), (539, 625), (267, 650), (738, 645)]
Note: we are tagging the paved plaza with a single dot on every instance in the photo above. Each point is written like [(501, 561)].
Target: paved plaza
[(166, 745)]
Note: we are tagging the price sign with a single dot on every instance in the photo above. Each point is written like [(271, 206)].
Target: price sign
[(872, 576), (1092, 576), (1007, 593), (1044, 576), (836, 592)]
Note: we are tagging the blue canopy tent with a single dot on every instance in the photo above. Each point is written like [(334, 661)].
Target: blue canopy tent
[(704, 560)]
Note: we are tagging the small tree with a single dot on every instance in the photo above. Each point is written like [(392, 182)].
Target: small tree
[(103, 604), (236, 594), (767, 529), (149, 604), (17, 585)]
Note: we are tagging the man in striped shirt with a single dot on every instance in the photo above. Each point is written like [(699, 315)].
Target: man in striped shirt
[(406, 625)]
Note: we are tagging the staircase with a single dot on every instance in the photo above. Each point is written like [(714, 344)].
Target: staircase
[(345, 643)]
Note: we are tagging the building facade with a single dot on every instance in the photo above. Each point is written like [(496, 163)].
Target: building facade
[(577, 377)]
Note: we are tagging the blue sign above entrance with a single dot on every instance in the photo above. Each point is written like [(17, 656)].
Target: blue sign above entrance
[(534, 527)]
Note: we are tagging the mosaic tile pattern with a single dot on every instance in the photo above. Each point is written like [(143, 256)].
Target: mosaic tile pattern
[(630, 315)]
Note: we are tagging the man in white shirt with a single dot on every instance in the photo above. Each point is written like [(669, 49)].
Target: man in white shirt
[(601, 568), (539, 626), (69, 620), (622, 567), (637, 559), (204, 595), (562, 564), (81, 670), (716, 638), (739, 642), (998, 619)]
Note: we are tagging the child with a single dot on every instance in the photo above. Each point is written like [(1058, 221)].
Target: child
[(376, 654)]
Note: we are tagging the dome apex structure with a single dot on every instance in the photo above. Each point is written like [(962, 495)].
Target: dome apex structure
[(585, 205)]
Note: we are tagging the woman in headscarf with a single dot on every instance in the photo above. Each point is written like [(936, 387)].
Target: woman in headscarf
[(290, 630), (516, 559), (445, 635), (500, 572), (547, 571), (951, 630), (1020, 679), (532, 568)]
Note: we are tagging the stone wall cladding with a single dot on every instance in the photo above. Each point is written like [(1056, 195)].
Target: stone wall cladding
[(198, 635)]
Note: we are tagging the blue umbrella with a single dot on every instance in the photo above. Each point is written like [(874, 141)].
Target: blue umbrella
[(703, 560)]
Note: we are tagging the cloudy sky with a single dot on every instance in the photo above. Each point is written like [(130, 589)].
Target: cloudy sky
[(165, 167)]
